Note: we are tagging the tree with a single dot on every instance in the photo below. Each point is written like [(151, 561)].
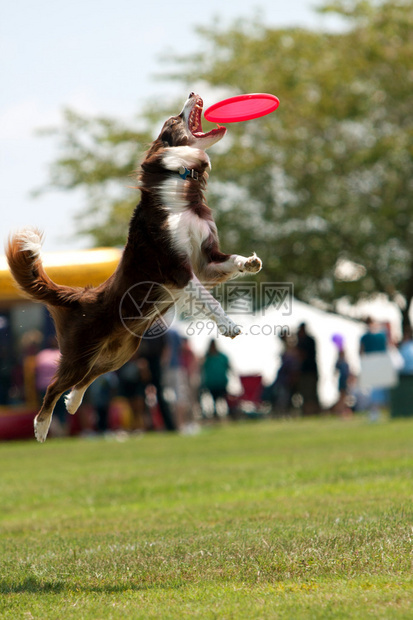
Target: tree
[(321, 189), (99, 155)]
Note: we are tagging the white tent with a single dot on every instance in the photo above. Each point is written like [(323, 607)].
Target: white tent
[(257, 350)]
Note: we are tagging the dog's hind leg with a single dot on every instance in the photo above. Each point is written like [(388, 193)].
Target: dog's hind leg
[(100, 367), (74, 399), (44, 417), (67, 376)]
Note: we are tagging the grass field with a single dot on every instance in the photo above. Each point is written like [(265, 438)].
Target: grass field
[(303, 519)]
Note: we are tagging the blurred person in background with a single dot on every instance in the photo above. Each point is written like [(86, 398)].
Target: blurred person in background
[(155, 351), (406, 351), (376, 367), (308, 371), (102, 390), (134, 377), (192, 374), (343, 369), (215, 375), (24, 373), (281, 391), (176, 381), (6, 361)]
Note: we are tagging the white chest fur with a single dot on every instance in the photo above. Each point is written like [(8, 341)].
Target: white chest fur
[(187, 230), (175, 157)]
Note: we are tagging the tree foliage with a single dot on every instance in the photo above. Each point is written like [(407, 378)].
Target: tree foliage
[(322, 189), (99, 155)]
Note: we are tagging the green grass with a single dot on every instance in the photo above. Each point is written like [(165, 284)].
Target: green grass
[(303, 519)]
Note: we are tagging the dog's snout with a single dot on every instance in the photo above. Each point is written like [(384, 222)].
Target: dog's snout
[(191, 94)]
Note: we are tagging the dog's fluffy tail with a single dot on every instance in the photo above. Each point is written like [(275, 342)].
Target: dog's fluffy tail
[(23, 255)]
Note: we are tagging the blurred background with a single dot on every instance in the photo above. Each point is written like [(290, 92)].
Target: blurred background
[(321, 189)]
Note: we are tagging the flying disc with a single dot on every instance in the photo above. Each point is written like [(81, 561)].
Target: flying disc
[(241, 108)]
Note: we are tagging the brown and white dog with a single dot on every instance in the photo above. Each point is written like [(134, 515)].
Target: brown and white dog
[(172, 242)]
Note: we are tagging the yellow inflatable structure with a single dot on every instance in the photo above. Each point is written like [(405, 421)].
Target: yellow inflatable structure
[(77, 268)]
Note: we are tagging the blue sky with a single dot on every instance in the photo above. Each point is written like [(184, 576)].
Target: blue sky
[(96, 57)]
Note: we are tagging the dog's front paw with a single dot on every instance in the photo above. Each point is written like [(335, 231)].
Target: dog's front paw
[(229, 329), (253, 264)]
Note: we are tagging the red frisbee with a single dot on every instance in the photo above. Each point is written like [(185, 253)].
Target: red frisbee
[(242, 108)]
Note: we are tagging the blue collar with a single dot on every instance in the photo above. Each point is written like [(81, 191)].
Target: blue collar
[(184, 172)]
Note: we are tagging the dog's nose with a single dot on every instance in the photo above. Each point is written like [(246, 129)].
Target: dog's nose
[(191, 94)]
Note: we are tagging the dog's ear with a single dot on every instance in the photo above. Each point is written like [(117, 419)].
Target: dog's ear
[(173, 132)]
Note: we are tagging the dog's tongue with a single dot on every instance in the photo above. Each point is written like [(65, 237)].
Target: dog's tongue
[(199, 134)]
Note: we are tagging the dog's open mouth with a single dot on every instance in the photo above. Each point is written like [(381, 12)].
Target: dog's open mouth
[(195, 121)]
